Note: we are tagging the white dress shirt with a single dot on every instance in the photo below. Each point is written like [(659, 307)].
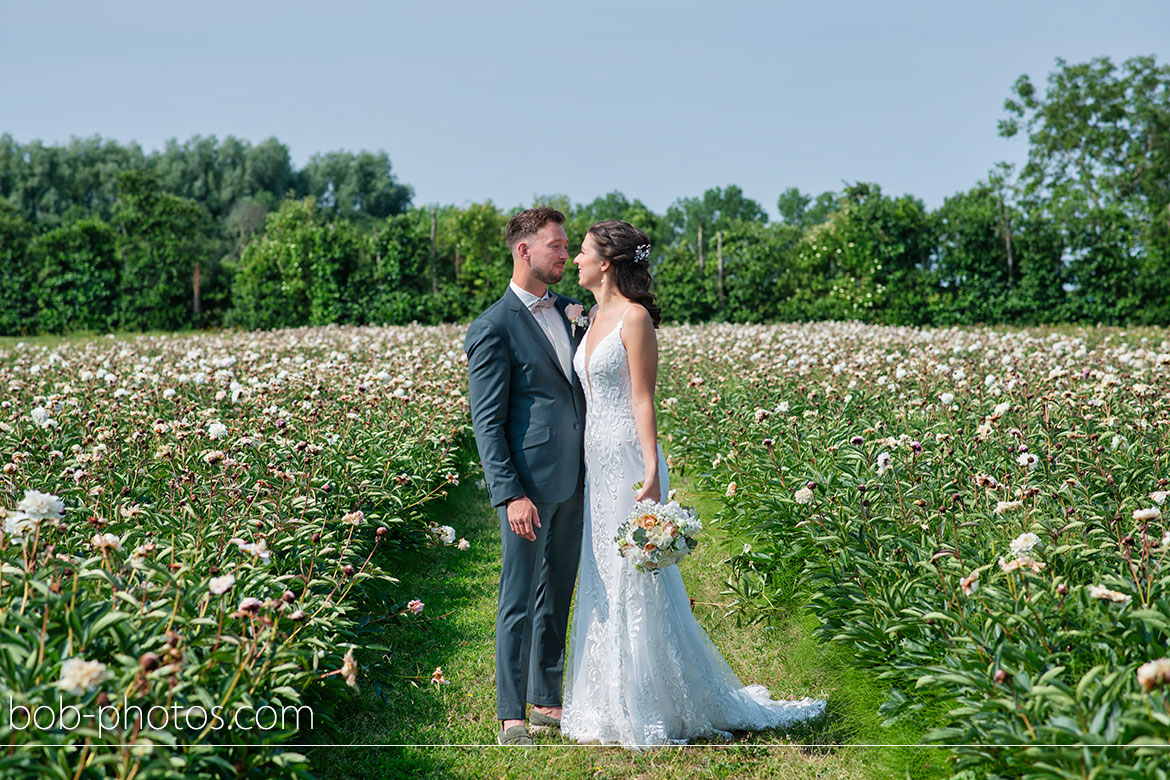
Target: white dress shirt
[(549, 320)]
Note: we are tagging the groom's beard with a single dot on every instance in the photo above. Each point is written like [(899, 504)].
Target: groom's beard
[(547, 277)]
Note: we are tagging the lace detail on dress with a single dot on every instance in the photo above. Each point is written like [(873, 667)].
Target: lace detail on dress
[(642, 670)]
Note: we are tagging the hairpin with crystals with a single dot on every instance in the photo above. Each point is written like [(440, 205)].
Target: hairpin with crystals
[(642, 253)]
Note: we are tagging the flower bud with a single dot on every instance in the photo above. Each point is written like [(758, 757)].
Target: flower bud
[(1001, 676)]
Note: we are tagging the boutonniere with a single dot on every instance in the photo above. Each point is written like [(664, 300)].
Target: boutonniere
[(575, 312)]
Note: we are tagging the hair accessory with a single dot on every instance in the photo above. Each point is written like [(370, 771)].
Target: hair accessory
[(642, 253)]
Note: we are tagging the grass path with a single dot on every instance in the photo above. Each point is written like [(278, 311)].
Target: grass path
[(433, 725)]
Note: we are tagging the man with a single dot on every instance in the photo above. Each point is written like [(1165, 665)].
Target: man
[(528, 412)]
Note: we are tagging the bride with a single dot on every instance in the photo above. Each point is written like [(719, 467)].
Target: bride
[(642, 670)]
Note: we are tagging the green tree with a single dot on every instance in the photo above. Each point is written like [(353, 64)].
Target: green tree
[(472, 254), (717, 209), (799, 209), (393, 285), (77, 285), (356, 186), (870, 261), (1099, 167), (163, 242), (17, 273), (296, 272), (757, 270)]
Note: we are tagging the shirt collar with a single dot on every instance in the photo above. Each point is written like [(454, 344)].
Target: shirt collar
[(526, 297)]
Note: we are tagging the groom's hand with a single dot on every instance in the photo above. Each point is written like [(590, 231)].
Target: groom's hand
[(522, 517)]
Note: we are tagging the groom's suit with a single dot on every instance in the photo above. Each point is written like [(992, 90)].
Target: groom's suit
[(529, 421)]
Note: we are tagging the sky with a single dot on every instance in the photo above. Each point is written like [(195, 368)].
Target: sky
[(514, 100)]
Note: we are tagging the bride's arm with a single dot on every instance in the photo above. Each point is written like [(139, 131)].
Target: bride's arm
[(642, 347)]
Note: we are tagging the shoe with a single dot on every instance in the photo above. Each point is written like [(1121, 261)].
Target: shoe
[(540, 720), (515, 736)]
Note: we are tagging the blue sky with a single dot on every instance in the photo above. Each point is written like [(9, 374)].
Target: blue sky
[(505, 101)]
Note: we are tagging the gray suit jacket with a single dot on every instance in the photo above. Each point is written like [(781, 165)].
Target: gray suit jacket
[(528, 417)]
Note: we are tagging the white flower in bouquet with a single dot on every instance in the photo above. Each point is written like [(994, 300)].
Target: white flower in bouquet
[(656, 536)]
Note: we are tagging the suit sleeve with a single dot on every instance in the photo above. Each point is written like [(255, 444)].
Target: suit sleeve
[(489, 379)]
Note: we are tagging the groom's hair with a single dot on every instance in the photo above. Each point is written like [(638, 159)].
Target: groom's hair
[(529, 222)]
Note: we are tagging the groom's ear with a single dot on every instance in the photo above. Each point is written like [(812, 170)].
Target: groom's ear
[(523, 250)]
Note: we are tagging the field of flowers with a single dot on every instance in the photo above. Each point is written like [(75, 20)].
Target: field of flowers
[(209, 521), (978, 514)]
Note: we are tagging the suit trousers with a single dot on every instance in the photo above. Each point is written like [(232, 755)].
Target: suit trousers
[(532, 619)]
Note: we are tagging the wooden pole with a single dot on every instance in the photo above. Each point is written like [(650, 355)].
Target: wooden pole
[(719, 264), (700, 248), (1007, 238), (198, 296), (434, 255)]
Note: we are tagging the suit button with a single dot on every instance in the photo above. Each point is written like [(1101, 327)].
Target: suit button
[(576, 426)]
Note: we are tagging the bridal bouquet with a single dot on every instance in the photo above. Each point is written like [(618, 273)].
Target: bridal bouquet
[(658, 535)]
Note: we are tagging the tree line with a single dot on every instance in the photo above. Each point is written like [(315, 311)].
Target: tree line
[(99, 236)]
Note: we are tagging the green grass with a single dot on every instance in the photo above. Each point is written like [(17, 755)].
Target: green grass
[(82, 336), (433, 727)]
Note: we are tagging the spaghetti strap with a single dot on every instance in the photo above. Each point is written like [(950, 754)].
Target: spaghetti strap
[(623, 317)]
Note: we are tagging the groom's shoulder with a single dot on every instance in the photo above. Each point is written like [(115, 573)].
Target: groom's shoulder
[(490, 321), (492, 315)]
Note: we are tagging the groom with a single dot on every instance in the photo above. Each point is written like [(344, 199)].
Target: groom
[(528, 412)]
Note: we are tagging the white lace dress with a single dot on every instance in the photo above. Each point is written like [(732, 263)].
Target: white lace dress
[(642, 670)]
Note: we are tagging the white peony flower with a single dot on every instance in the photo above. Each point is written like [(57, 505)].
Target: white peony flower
[(1154, 674), (884, 462), (221, 585), (41, 506), (1024, 543), (105, 541), (16, 524), (803, 496), (1146, 515), (216, 430), (947, 399), (79, 675), (1103, 593)]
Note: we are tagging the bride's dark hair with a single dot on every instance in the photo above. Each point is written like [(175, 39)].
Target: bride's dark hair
[(628, 250)]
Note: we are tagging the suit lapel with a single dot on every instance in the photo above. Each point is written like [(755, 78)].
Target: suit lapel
[(574, 339), (521, 313)]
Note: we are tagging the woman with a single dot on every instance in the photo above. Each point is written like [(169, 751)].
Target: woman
[(643, 672)]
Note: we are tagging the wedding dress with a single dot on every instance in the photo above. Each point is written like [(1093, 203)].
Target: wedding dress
[(642, 670)]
